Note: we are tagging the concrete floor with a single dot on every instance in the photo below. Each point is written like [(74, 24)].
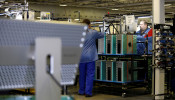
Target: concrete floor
[(103, 93), (99, 93), (106, 92), (112, 97)]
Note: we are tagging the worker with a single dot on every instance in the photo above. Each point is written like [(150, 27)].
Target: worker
[(144, 34), (143, 28), (87, 62)]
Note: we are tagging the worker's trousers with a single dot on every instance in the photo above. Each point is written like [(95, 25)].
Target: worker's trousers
[(86, 77)]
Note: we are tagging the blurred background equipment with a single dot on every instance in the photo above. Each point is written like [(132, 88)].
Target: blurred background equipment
[(24, 62)]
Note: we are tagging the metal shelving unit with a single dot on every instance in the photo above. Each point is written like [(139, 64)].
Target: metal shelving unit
[(118, 60), (125, 85), (164, 55)]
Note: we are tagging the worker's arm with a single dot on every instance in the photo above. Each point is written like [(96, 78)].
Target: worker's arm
[(99, 35)]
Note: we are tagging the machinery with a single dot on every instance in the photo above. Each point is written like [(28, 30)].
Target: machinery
[(34, 54)]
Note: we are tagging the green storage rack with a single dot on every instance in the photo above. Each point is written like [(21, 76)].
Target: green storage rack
[(126, 44), (111, 70), (111, 44), (100, 70)]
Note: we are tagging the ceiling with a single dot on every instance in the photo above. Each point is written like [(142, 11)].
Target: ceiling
[(135, 7)]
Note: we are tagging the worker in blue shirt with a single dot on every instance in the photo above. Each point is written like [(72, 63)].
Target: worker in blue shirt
[(142, 36), (87, 61)]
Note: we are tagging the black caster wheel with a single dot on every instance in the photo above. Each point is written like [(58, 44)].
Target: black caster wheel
[(123, 95)]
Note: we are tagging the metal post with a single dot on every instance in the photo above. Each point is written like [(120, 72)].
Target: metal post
[(159, 78), (48, 61), (79, 15)]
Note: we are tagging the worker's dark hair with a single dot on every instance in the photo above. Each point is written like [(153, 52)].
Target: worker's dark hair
[(86, 21), (144, 22)]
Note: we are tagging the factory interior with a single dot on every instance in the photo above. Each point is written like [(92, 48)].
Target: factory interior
[(42, 43)]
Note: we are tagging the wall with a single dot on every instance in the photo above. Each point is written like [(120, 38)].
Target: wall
[(68, 12)]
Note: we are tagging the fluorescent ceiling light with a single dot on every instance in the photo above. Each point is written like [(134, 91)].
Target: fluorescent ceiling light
[(114, 9), (63, 5), (97, 23), (76, 19), (167, 4), (145, 17), (171, 12)]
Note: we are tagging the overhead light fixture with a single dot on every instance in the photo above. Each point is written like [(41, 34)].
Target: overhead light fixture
[(172, 12), (7, 9), (76, 19), (167, 4), (114, 9), (63, 5), (146, 17)]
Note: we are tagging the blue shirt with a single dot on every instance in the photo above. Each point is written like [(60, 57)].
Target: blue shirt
[(89, 51), (141, 46), (139, 32)]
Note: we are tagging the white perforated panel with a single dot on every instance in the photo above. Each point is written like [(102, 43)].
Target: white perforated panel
[(17, 77)]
